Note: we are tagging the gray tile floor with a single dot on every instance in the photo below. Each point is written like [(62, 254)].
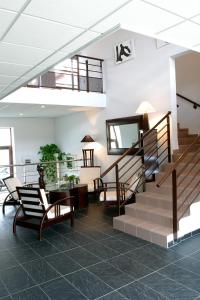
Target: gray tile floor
[(93, 261)]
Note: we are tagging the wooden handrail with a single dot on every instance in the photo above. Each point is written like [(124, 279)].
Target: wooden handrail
[(188, 100), (136, 144), (176, 164)]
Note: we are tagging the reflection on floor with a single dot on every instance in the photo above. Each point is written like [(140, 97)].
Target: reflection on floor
[(93, 261)]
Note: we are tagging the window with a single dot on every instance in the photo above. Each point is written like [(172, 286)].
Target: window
[(6, 152)]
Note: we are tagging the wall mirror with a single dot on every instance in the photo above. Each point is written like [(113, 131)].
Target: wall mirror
[(122, 133)]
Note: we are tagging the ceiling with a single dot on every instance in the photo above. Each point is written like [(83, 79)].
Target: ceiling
[(37, 34), (12, 110)]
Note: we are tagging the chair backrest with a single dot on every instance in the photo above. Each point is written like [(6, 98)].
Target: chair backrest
[(11, 183), (33, 201), (88, 174)]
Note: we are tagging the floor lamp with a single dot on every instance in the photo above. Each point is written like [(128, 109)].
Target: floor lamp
[(145, 108), (88, 154)]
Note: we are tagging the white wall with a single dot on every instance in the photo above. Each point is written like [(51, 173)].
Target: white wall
[(187, 80), (147, 77), (29, 135)]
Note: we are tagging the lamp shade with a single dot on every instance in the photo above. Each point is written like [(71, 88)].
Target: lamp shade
[(145, 107), (87, 139)]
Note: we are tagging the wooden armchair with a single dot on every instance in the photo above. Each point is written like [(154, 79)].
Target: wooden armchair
[(107, 191), (34, 206), (12, 198)]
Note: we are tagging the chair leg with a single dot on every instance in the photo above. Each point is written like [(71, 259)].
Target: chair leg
[(72, 219), (40, 234), (14, 227), (3, 208)]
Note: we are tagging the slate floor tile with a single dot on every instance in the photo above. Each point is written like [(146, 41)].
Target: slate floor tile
[(40, 270), (83, 257), (154, 256), (187, 278), (100, 250), (3, 291), (34, 293), (169, 288), (94, 234), (43, 248), (78, 238), (190, 264), (60, 289), (24, 254), (7, 260), (188, 246), (90, 285), (62, 228), (110, 275), (113, 296), (116, 245), (63, 263), (129, 266), (134, 242), (62, 243), (137, 291), (16, 279)]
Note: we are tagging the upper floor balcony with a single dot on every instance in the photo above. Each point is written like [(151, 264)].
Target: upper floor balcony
[(75, 82)]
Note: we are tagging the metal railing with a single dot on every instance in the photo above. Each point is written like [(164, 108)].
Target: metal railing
[(185, 182), (56, 173), (79, 73), (153, 150)]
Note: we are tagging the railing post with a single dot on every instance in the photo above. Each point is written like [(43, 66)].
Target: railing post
[(87, 76), (168, 139), (174, 204), (117, 186), (142, 160), (78, 73)]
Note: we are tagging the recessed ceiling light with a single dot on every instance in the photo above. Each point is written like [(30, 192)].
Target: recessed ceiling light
[(42, 106), (21, 114)]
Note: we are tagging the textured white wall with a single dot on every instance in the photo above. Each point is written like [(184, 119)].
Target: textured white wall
[(187, 80), (147, 77), (29, 135)]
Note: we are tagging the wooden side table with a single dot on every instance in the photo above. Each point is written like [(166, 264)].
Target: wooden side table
[(79, 191)]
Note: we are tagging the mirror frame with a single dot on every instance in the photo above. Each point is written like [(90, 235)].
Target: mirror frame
[(122, 121)]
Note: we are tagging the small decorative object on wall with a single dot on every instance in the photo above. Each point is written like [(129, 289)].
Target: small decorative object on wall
[(124, 51), (160, 44)]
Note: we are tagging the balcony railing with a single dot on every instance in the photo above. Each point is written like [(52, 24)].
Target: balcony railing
[(79, 73)]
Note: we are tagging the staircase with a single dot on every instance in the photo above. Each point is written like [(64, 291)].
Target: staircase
[(155, 216)]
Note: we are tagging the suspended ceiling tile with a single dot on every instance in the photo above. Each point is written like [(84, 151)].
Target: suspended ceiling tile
[(14, 5), (196, 19), (2, 87), (145, 18), (186, 34), (74, 12), (5, 80), (185, 8), (6, 17), (12, 69), (40, 33), (80, 42), (19, 54)]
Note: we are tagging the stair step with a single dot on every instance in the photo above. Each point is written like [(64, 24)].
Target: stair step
[(157, 215), (157, 199), (188, 157), (186, 140), (145, 230), (183, 132), (182, 148)]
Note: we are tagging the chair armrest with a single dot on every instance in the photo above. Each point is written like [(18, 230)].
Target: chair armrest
[(60, 201)]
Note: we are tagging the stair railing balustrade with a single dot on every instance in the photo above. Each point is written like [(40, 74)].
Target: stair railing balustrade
[(185, 188), (151, 154)]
